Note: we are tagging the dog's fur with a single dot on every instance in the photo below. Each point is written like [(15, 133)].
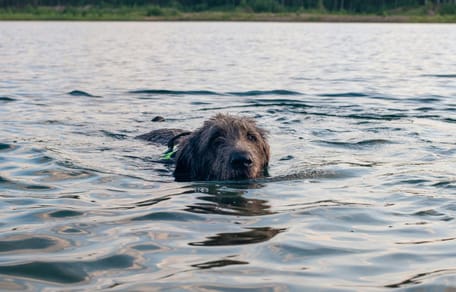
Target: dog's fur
[(161, 136), (226, 147)]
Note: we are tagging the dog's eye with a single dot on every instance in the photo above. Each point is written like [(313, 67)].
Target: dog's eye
[(251, 137), (216, 141)]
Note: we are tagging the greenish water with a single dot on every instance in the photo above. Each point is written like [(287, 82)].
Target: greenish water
[(361, 122)]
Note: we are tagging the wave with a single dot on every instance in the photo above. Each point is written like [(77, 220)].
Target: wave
[(425, 99), (208, 92), (7, 147), (265, 92), (344, 94), (290, 103), (81, 93), (6, 99), (357, 145), (117, 136), (17, 185), (67, 272), (440, 75), (174, 92), (385, 117)]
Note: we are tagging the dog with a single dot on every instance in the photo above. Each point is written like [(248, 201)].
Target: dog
[(226, 147)]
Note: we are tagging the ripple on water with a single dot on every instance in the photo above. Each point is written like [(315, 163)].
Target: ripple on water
[(276, 92), (173, 92), (169, 216), (147, 247), (279, 102), (6, 99), (55, 174), (64, 213), (304, 251), (117, 136), (439, 276), (18, 185), (279, 92), (4, 147), (364, 144), (67, 272), (372, 116), (425, 100), (33, 170), (440, 75), (445, 184), (344, 94), (81, 93), (27, 243)]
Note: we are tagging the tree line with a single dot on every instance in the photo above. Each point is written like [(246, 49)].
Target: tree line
[(350, 6)]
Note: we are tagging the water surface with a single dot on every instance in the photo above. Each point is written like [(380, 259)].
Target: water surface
[(361, 121)]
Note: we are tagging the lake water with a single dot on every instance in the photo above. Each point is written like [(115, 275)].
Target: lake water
[(361, 121)]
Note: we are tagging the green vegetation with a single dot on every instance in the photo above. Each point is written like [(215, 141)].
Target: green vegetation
[(243, 10)]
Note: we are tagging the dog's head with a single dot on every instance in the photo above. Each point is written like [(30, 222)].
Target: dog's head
[(226, 147)]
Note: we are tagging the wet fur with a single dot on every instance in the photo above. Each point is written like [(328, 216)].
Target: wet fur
[(207, 153), (161, 136)]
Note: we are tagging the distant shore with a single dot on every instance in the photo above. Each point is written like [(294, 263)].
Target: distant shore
[(169, 14)]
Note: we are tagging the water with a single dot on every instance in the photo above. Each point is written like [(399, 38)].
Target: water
[(361, 120)]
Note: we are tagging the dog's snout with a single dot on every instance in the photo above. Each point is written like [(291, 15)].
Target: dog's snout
[(240, 159)]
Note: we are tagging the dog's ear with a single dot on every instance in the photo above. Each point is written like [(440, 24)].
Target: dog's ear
[(267, 152), (177, 139), (183, 169), (264, 145)]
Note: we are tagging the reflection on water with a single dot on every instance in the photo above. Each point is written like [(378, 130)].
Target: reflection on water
[(218, 264), (226, 200), (255, 235), (362, 178)]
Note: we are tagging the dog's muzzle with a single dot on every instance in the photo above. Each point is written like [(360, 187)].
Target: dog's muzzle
[(240, 160)]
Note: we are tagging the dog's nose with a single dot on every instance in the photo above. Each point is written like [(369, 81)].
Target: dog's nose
[(240, 159)]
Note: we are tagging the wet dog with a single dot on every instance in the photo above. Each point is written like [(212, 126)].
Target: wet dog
[(226, 147)]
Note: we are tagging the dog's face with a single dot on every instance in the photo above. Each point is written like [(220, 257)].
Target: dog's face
[(225, 148)]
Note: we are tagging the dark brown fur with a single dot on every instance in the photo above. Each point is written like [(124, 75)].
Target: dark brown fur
[(226, 147), (161, 136)]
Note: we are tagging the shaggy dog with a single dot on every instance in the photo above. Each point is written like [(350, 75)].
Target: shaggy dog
[(226, 147)]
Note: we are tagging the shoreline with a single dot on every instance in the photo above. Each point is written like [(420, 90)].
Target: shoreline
[(172, 15)]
